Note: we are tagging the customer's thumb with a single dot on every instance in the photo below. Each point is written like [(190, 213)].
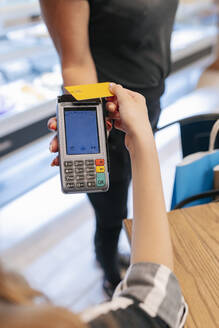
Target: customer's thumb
[(119, 92)]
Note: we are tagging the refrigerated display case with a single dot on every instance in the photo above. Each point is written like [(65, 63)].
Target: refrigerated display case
[(30, 76)]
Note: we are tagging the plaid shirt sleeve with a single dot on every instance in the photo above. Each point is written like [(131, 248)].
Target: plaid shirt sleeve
[(149, 296)]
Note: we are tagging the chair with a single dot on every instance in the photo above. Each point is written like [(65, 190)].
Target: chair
[(195, 132), (207, 194)]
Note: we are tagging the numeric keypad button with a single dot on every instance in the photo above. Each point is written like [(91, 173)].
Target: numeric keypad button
[(68, 171), (80, 185), (90, 169), (70, 185), (91, 184), (89, 162), (79, 170), (79, 177), (91, 176), (78, 163), (69, 178), (68, 163)]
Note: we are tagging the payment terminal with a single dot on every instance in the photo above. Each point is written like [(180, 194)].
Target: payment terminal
[(83, 152)]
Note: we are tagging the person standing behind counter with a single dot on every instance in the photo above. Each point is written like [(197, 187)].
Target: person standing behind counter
[(113, 40)]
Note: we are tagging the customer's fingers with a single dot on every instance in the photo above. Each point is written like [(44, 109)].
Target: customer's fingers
[(139, 98), (123, 94), (112, 98), (114, 116), (52, 124), (111, 106), (54, 145), (119, 92), (118, 125)]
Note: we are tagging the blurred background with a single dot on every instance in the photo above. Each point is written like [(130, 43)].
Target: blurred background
[(47, 235)]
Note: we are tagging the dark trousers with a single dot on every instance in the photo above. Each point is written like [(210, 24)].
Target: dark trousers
[(111, 207)]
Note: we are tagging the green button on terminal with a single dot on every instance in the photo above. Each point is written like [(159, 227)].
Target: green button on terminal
[(101, 179)]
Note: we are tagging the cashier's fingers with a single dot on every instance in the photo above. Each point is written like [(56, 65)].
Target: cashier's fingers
[(54, 145), (109, 124), (55, 162), (52, 124)]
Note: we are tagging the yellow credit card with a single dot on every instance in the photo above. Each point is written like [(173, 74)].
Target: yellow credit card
[(90, 91)]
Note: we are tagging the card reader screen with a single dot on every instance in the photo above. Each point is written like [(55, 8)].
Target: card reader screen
[(81, 131)]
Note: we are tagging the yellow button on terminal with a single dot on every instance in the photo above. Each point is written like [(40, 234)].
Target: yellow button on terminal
[(100, 169)]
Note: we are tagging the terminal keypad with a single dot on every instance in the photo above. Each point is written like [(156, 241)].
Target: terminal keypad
[(87, 174)]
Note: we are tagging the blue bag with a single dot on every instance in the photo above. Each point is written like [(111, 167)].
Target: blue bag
[(194, 175)]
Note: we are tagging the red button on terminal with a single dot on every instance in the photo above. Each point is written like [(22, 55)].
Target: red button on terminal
[(99, 162)]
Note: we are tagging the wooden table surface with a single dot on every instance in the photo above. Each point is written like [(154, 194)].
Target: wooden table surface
[(195, 237)]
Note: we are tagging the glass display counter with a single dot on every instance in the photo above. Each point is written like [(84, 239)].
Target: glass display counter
[(30, 80)]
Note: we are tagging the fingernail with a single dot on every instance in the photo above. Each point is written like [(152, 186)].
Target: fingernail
[(109, 124), (111, 85), (56, 161)]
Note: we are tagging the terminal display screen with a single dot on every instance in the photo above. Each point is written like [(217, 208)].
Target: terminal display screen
[(81, 131)]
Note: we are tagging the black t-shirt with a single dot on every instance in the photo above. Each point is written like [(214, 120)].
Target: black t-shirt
[(130, 41)]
